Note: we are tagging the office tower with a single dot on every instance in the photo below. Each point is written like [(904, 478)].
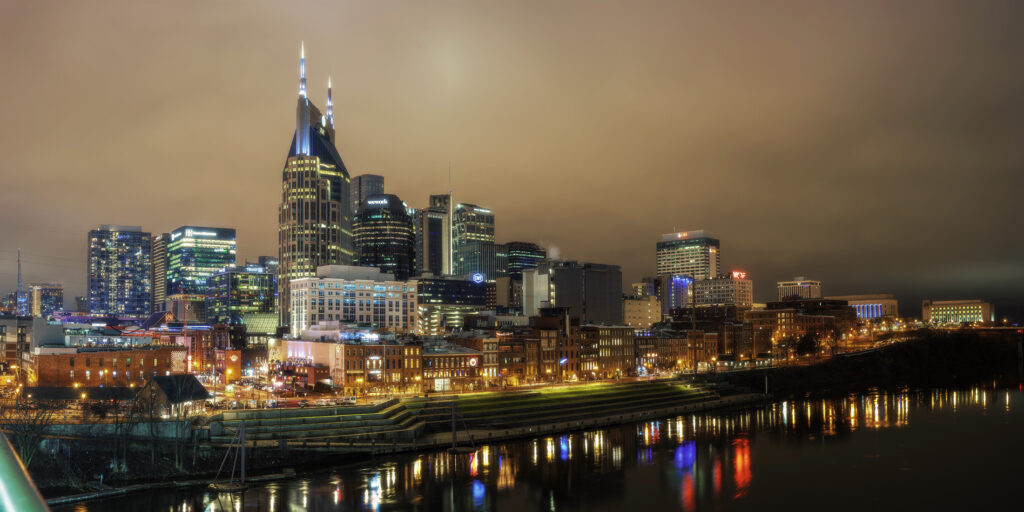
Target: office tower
[(46, 298), (444, 303), (158, 273), (800, 288), (315, 224), (471, 223), (591, 291), (364, 186), (522, 256), (239, 290), (416, 217), (688, 253), (676, 291), (81, 304), (484, 258), (119, 271), (195, 253), (383, 235), (437, 236), (733, 289)]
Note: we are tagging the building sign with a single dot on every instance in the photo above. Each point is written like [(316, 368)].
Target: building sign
[(477, 278)]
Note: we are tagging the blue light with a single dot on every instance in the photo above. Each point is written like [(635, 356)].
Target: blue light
[(563, 360), (563, 445), (686, 455), (477, 278), (479, 491)]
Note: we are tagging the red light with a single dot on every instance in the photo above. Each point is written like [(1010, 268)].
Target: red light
[(739, 274)]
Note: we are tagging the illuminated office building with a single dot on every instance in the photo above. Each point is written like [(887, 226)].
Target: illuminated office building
[(522, 256), (444, 303), (239, 290), (471, 223), (436, 237), (384, 236), (158, 271), (689, 253), (733, 289), (119, 271), (485, 258), (315, 224), (364, 186), (46, 298), (195, 253)]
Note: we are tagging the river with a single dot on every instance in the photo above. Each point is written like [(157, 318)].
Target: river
[(875, 450)]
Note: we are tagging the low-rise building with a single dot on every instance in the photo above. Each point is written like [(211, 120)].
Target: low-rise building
[(800, 287), (871, 307), (450, 367), (641, 312), (948, 312), (92, 367), (361, 295)]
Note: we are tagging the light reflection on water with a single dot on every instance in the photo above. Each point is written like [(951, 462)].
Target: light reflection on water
[(693, 462)]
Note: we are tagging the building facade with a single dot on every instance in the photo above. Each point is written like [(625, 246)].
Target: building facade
[(237, 291), (949, 312), (119, 271), (733, 289), (384, 236), (641, 312), (486, 258), (872, 307), (443, 303), (314, 218), (46, 298), (195, 253), (799, 288), (590, 291), (689, 253), (471, 223), (364, 186), (356, 295), (522, 256), (158, 271)]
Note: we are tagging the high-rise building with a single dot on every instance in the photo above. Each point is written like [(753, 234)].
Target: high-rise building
[(590, 291), (364, 186), (689, 253), (46, 298), (436, 236), (21, 298), (315, 224), (272, 265), (81, 304), (522, 256), (239, 290), (119, 271), (444, 303), (195, 253), (642, 311), (384, 237), (800, 287), (733, 289), (416, 217), (158, 273), (676, 291), (358, 295), (487, 259), (645, 287), (471, 223)]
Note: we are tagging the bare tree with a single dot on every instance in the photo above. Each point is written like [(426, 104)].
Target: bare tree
[(25, 422)]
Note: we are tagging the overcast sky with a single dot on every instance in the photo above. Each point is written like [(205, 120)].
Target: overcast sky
[(876, 146)]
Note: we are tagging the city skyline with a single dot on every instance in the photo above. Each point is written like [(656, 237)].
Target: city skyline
[(904, 182)]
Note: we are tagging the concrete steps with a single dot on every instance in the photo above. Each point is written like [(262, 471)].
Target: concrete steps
[(388, 420)]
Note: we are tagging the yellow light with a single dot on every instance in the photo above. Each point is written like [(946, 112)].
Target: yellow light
[(83, 396)]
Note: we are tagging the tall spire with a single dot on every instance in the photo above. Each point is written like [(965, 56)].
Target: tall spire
[(330, 104), (302, 69)]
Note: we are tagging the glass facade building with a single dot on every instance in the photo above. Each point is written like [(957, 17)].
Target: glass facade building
[(119, 271), (195, 253), (384, 236), (46, 298), (471, 223), (522, 256), (364, 186), (486, 258), (158, 274), (239, 290)]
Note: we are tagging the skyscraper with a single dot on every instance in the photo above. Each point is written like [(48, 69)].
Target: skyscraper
[(591, 291), (315, 224), (239, 290), (119, 271), (158, 272), (46, 298), (437, 236), (364, 186), (195, 253), (471, 223), (689, 253), (384, 236), (485, 258)]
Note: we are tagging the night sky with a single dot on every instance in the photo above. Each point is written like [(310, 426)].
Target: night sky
[(876, 146)]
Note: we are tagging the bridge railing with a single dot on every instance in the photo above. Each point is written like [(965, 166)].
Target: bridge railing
[(17, 492)]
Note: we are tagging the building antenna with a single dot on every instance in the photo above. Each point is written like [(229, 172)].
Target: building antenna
[(17, 296), (449, 177)]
